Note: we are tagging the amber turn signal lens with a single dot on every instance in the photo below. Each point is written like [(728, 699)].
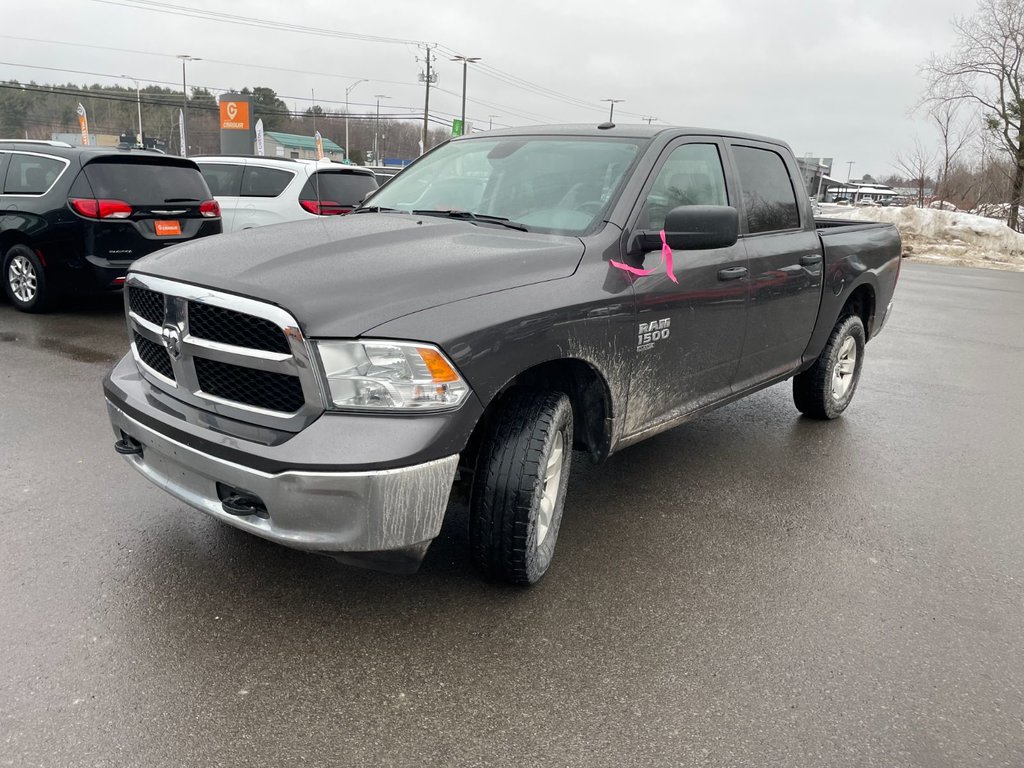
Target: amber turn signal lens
[(439, 368)]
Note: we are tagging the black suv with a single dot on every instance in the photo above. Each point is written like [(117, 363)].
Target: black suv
[(73, 219)]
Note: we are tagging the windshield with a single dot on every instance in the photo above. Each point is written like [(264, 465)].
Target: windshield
[(559, 185)]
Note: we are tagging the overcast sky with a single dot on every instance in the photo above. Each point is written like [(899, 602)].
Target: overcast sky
[(831, 78)]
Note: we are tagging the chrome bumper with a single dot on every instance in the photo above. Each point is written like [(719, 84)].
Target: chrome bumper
[(392, 514)]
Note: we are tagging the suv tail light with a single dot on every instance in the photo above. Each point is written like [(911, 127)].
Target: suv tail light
[(324, 207), (210, 209), (100, 209)]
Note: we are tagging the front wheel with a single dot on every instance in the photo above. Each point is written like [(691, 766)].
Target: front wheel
[(24, 279), (825, 389), (519, 486)]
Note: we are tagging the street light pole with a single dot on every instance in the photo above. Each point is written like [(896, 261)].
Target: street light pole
[(347, 92), (184, 100), (611, 109), (376, 129), (138, 101), (466, 61)]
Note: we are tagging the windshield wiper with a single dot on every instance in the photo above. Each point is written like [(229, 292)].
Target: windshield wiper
[(377, 209), (469, 216)]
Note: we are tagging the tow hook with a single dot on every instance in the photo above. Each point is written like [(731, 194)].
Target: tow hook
[(128, 446), (241, 503)]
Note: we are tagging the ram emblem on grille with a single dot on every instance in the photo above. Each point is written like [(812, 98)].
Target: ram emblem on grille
[(171, 335)]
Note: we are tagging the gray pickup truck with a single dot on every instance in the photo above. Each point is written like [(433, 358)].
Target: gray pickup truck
[(509, 298)]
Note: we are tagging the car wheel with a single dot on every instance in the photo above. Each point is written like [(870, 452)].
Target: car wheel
[(825, 389), (25, 279), (519, 486)]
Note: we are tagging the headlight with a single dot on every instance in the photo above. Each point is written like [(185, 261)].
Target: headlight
[(382, 375)]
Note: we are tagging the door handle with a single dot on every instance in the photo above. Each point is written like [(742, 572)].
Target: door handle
[(732, 273), (810, 260)]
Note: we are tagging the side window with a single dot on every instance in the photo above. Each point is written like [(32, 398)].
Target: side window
[(264, 182), (31, 174), (768, 195), (692, 175), (224, 180)]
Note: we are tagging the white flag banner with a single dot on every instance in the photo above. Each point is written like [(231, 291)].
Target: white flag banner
[(83, 124), (181, 132), (260, 149), (320, 146)]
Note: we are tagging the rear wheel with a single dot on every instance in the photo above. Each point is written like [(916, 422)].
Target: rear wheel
[(519, 486), (25, 279), (825, 389)]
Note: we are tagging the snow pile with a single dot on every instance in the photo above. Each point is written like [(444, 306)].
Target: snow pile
[(945, 237)]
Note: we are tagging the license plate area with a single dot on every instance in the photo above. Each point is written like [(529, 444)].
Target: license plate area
[(167, 227)]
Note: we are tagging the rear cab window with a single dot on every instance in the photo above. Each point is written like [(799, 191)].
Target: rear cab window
[(342, 188), (30, 174), (769, 201)]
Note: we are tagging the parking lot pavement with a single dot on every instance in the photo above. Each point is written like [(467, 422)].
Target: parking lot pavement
[(752, 588)]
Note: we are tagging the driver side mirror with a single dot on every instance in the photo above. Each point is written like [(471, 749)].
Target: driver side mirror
[(695, 227)]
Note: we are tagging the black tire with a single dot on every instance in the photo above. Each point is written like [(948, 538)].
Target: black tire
[(505, 512), (25, 280), (813, 390)]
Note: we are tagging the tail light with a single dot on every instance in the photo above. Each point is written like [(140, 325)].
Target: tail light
[(210, 209), (100, 209), (324, 207)]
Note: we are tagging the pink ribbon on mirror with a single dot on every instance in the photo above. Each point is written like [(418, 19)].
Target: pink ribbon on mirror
[(666, 259)]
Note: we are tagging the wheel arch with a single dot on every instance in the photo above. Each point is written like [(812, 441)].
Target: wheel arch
[(861, 302), (588, 392)]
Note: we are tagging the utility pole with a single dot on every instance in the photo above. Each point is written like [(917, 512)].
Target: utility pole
[(849, 171), (490, 121), (428, 79), (184, 99), (466, 61), (376, 129), (649, 119), (347, 92), (611, 109)]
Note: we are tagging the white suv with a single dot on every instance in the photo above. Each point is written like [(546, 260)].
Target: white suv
[(254, 191)]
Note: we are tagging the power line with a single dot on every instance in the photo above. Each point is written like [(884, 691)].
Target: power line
[(491, 71), (248, 65), (248, 21)]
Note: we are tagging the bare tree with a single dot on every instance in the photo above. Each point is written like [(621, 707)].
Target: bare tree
[(955, 137), (917, 166), (984, 67)]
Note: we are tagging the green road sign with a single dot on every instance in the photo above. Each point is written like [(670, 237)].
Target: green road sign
[(456, 127)]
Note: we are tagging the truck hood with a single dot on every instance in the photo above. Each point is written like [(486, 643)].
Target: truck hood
[(342, 276)]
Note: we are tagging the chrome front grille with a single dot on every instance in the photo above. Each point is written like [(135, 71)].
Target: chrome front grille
[(234, 356)]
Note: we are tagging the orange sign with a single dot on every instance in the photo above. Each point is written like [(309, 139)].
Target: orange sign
[(165, 228), (234, 115)]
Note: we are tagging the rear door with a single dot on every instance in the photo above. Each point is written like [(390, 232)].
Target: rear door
[(690, 333), (330, 192), (785, 259), (262, 199), (225, 183), (133, 205)]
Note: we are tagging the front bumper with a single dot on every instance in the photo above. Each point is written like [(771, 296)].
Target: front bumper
[(383, 518)]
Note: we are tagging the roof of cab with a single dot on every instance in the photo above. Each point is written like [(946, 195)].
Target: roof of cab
[(623, 131)]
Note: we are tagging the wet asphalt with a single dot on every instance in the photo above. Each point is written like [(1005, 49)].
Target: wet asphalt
[(749, 589)]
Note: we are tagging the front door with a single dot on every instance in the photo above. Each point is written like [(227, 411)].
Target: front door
[(689, 334)]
